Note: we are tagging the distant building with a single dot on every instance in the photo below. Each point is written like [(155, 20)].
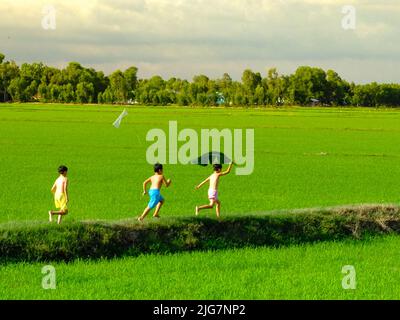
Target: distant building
[(315, 102), (220, 98)]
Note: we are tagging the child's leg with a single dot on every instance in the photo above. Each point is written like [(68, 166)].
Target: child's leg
[(144, 214), (218, 208), (56, 213), (159, 205), (207, 206), (60, 215), (52, 213)]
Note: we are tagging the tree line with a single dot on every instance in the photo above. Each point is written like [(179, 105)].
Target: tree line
[(77, 84)]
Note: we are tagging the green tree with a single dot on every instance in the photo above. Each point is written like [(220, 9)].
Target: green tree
[(31, 91), (107, 96), (276, 88), (54, 92), (101, 82), (17, 88), (130, 75), (67, 93), (43, 92), (84, 92), (8, 71), (336, 89), (182, 99), (240, 98), (388, 95), (32, 72), (259, 95), (25, 87), (251, 80), (307, 83), (225, 82), (366, 95), (73, 73), (156, 83), (118, 87)]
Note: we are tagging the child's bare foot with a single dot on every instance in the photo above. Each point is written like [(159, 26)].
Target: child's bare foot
[(197, 210), (156, 216), (50, 216), (140, 219)]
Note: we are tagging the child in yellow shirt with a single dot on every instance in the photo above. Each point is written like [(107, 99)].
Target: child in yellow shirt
[(60, 191)]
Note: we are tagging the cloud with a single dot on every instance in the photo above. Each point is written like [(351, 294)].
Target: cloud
[(213, 36)]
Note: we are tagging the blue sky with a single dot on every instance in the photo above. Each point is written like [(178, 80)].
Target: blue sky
[(182, 38)]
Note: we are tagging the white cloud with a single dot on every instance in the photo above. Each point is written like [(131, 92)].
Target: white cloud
[(211, 36)]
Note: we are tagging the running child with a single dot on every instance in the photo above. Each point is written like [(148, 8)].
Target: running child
[(60, 191), (213, 189), (156, 199)]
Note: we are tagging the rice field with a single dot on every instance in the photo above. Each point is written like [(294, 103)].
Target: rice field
[(298, 272), (304, 158)]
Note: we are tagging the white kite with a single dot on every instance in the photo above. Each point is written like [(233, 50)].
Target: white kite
[(117, 122)]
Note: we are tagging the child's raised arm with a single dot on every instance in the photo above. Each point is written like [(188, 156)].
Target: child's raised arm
[(166, 182), (228, 170), (201, 184), (145, 183)]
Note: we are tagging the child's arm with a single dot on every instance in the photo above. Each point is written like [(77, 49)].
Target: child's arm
[(145, 183), (228, 170), (203, 183), (66, 190), (53, 188), (166, 182)]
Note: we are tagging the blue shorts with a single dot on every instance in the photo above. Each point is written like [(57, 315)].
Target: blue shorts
[(155, 197)]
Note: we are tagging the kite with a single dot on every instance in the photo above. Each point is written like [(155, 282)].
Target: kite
[(117, 122), (211, 158)]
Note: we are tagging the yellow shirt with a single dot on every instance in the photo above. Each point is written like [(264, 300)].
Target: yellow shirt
[(60, 195)]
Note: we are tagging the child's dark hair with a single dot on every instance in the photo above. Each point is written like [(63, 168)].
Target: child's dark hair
[(158, 167), (62, 169), (217, 166)]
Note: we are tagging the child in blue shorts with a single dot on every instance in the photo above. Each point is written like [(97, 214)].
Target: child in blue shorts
[(156, 199)]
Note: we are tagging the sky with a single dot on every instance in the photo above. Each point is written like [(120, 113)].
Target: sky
[(182, 38)]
